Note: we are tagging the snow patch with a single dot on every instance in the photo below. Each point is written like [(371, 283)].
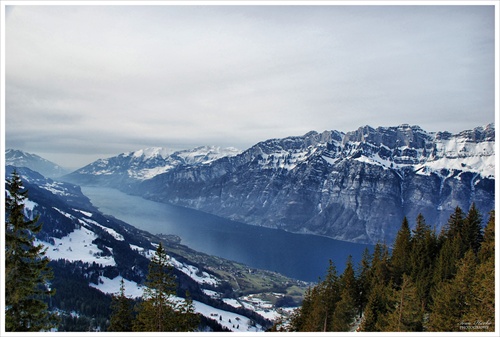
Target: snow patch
[(230, 320), (77, 246), (110, 231), (194, 272), (112, 286)]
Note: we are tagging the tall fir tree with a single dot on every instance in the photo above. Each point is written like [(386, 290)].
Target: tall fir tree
[(160, 310), (472, 230), (122, 315), (482, 306), (487, 250), (329, 296), (376, 308), (364, 280), (299, 315), (401, 253), (27, 273), (452, 300), (424, 250), (346, 307), (379, 289), (407, 314)]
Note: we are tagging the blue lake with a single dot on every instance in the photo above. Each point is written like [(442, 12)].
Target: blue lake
[(301, 256)]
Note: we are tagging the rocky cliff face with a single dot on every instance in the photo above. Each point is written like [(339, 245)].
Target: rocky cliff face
[(355, 187)]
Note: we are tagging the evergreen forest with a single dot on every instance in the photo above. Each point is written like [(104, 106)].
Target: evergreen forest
[(424, 282)]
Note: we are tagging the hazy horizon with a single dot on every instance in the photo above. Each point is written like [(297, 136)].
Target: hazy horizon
[(85, 82)]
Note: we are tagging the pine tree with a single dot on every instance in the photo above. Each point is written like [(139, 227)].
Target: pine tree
[(487, 250), (122, 315), (448, 256), (299, 315), (345, 311), (376, 308), (380, 265), (453, 297), (346, 308), (160, 310), (424, 250), (407, 314), (472, 230), (380, 287), (27, 273), (482, 306), (364, 280), (455, 223), (400, 258), (187, 319)]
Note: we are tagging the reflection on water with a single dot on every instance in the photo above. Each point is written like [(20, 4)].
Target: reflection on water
[(304, 257)]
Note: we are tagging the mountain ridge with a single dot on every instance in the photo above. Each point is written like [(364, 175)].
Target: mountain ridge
[(21, 158), (355, 186)]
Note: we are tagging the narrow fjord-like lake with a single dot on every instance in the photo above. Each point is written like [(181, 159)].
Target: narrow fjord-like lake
[(301, 256)]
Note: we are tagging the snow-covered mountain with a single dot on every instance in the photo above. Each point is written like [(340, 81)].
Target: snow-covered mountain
[(32, 161), (130, 167), (354, 186)]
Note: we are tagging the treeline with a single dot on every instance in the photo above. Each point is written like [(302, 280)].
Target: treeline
[(428, 282)]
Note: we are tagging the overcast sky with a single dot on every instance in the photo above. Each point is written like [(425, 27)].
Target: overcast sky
[(87, 82)]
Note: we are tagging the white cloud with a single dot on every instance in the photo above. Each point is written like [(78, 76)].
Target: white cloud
[(118, 78)]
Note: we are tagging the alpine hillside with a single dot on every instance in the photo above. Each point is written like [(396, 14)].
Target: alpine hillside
[(355, 186), (93, 252)]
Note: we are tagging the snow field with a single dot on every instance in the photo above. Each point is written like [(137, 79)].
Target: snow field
[(230, 320), (112, 286), (77, 246)]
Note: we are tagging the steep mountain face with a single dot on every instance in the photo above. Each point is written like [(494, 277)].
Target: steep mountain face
[(32, 161), (132, 167), (355, 187)]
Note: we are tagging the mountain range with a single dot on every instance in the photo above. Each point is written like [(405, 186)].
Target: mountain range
[(355, 186)]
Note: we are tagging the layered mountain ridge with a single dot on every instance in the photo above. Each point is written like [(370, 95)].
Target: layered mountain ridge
[(23, 159), (354, 186), (147, 163)]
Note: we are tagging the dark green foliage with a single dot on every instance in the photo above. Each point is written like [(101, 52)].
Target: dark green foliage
[(122, 315), (453, 297), (423, 256), (401, 253), (427, 283), (376, 308), (472, 230), (91, 305), (27, 273), (364, 280), (159, 310), (406, 313)]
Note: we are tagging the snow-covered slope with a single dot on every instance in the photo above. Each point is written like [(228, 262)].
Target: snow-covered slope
[(103, 250), (410, 146)]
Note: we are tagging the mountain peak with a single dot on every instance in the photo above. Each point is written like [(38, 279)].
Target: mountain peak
[(151, 152), (19, 158)]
